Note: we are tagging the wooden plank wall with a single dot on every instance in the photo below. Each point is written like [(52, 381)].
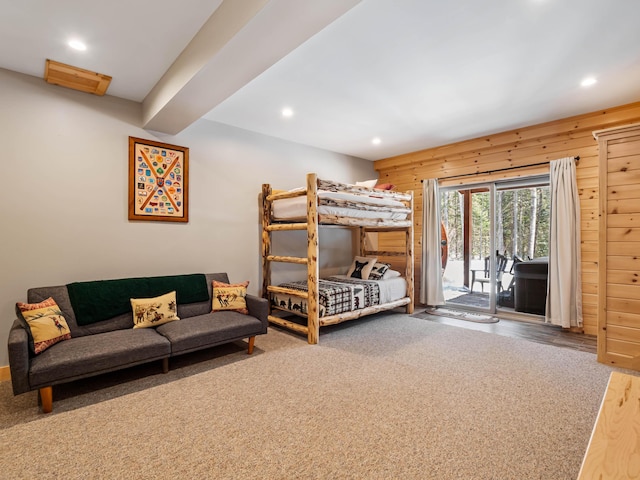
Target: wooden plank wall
[(522, 147), (619, 179)]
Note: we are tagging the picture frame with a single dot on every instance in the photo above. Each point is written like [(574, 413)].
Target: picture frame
[(158, 181)]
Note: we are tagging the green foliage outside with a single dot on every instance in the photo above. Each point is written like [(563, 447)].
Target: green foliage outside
[(522, 226)]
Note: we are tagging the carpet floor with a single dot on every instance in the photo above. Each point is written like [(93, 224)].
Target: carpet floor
[(387, 396)]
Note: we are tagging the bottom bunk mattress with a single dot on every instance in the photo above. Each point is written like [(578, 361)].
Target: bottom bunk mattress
[(340, 294)]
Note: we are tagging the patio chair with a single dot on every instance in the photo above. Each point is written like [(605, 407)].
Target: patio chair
[(482, 275)]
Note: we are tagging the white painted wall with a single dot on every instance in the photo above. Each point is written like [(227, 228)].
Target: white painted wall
[(63, 198)]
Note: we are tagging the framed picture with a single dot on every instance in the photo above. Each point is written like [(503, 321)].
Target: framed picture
[(158, 181)]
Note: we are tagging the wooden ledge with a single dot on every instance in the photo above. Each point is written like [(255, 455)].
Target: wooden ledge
[(614, 449), (76, 78)]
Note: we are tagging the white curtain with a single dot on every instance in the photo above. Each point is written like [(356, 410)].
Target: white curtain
[(564, 290), (431, 292)]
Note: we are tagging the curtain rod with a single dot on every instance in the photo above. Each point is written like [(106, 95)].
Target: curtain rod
[(576, 158)]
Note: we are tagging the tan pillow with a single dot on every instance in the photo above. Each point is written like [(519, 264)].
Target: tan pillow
[(151, 312), (45, 323), (367, 183), (361, 267), (229, 296)]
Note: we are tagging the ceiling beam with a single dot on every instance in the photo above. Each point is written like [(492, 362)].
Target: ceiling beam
[(238, 42)]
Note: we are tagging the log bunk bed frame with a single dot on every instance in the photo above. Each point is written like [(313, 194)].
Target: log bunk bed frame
[(314, 221)]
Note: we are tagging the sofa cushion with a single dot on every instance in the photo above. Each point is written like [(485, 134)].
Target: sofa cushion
[(153, 312), (44, 323), (194, 309), (229, 297), (208, 330), (95, 354)]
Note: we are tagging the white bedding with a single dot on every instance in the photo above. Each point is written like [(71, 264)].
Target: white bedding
[(291, 208)]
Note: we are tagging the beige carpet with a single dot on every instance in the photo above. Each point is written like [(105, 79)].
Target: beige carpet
[(388, 396)]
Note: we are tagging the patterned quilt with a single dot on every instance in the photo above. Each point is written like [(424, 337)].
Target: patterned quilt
[(335, 295), (371, 289)]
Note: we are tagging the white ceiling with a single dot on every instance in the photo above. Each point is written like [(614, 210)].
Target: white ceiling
[(416, 73)]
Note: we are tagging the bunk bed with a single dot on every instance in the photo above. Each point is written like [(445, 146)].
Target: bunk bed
[(321, 203)]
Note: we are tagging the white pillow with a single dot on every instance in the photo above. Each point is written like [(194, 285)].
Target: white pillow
[(367, 183), (361, 267), (391, 274)]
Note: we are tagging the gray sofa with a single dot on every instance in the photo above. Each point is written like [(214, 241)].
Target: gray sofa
[(113, 344)]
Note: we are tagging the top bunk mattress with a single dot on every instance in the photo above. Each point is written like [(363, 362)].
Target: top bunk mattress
[(340, 204)]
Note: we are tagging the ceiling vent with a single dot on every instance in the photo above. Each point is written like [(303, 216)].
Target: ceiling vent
[(76, 78)]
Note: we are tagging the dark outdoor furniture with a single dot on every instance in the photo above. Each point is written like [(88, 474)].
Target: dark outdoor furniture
[(531, 286), (482, 275), (506, 297)]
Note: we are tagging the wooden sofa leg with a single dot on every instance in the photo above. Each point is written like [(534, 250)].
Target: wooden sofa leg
[(46, 399), (251, 342), (165, 365)]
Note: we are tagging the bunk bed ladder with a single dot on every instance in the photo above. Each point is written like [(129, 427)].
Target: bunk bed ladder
[(313, 269), (312, 329), (409, 260)]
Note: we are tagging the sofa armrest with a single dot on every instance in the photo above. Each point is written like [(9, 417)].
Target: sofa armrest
[(19, 358), (259, 308)]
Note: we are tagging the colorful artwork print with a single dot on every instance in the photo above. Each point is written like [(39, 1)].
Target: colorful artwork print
[(158, 175)]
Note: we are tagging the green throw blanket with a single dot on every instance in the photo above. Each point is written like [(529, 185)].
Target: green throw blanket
[(103, 299)]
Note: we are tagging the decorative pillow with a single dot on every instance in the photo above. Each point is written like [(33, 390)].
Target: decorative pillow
[(378, 270), (391, 274), (367, 183), (385, 186), (361, 267), (229, 296), (44, 323), (151, 312)]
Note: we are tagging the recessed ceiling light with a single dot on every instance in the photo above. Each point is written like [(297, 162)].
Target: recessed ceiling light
[(376, 141), (77, 45), (587, 82), (287, 112)]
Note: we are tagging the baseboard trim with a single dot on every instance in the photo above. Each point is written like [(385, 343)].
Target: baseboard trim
[(5, 374)]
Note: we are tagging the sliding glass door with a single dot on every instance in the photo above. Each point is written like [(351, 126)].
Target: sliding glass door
[(490, 228), (522, 234), (468, 218)]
